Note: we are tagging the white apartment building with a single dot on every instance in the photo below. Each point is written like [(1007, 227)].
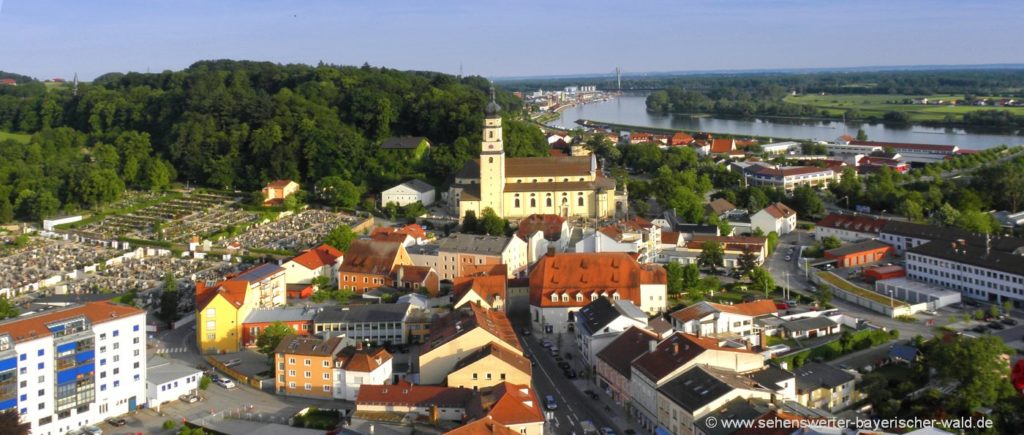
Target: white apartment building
[(70, 367), (978, 272)]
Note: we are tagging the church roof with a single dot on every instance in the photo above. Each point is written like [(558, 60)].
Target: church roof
[(522, 167), (600, 182)]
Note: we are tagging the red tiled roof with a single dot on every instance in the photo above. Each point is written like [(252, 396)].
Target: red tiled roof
[(279, 184), (753, 309), (550, 224), (588, 273), (514, 360), (231, 289), (906, 146), (406, 394), (863, 224), (512, 404), (389, 237), (681, 138), (485, 286), (618, 229), (318, 257), (371, 257), (458, 322), (482, 426), (787, 171), (621, 351), (674, 352), (416, 274), (721, 146), (721, 205), (413, 230), (33, 326), (357, 359), (779, 210), (670, 238)]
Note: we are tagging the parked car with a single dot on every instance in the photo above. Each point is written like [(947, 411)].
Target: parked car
[(792, 303), (981, 329), (226, 383), (591, 393), (1010, 322), (92, 430), (607, 431), (525, 331), (563, 365), (996, 325), (781, 305), (789, 258), (189, 398), (570, 373), (545, 342), (116, 421), (549, 403), (554, 350)]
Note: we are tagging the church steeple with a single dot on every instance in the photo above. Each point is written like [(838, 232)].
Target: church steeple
[(493, 110), (492, 160)]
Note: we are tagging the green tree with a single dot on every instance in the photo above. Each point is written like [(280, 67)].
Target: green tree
[(204, 382), (807, 202), (157, 175), (271, 336), (831, 242), (491, 223), (10, 420), (469, 222), (946, 215), (8, 310), (910, 209), (711, 255), (674, 271), (391, 210), (861, 134), (977, 365), (773, 241), (338, 192), (169, 299), (746, 262), (978, 222), (341, 237), (824, 294), (6, 209), (761, 280), (690, 276), (413, 211)]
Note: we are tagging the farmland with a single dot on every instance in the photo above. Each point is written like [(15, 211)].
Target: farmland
[(876, 105)]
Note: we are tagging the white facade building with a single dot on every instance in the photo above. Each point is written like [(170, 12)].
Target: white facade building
[(166, 381), (599, 322), (776, 217), (408, 193), (355, 366), (977, 272), (71, 367)]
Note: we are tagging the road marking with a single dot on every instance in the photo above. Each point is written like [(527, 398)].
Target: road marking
[(553, 385)]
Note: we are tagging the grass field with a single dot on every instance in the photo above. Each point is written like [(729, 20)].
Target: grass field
[(877, 105), (19, 137)]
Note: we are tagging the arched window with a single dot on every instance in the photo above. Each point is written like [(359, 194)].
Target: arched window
[(565, 180), (554, 297), (565, 201), (581, 179), (551, 180), (517, 202), (533, 202), (548, 202), (490, 160), (534, 180), (579, 201)]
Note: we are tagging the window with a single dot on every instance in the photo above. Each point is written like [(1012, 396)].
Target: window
[(291, 385), (327, 376), (42, 392), (548, 202), (579, 201), (327, 388), (22, 357), (291, 360), (306, 362), (565, 298), (326, 364), (41, 365), (117, 384), (42, 379), (517, 203), (308, 387), (135, 328), (475, 376), (40, 353), (487, 376), (533, 202), (554, 297), (45, 420), (116, 333), (210, 312), (307, 374), (291, 372)]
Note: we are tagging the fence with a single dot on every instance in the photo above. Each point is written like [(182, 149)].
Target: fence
[(247, 413), (184, 321), (235, 374), (849, 292)]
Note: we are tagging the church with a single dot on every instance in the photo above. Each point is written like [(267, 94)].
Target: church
[(519, 187)]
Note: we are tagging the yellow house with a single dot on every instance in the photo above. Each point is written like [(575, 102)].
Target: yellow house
[(222, 308), (458, 335), (489, 366)]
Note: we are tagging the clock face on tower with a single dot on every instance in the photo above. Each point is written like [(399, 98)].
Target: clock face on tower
[(490, 147)]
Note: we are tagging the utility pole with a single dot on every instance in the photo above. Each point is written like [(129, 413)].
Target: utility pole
[(618, 79)]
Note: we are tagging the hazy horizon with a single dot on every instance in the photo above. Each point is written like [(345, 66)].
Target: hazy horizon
[(47, 39)]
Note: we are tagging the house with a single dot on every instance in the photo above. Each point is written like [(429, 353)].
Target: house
[(635, 235), (459, 252), (358, 365), (906, 235), (780, 381), (903, 353), (455, 336), (515, 406), (482, 426), (303, 366), (298, 318), (809, 327), (720, 208), (276, 191), (680, 139), (489, 366), (415, 146), (868, 164), (675, 355), (780, 147), (824, 387), (408, 235), (599, 322), (776, 217), (409, 192), (612, 364), (789, 177), (418, 278), (8, 82), (859, 253), (447, 404), (167, 380), (723, 146), (709, 319), (541, 231), (848, 228), (992, 270), (369, 264), (489, 290), (700, 391), (222, 308), (733, 246), (374, 323), (561, 284), (321, 261)]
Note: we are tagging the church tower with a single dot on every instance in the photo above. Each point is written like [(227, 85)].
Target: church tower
[(492, 160)]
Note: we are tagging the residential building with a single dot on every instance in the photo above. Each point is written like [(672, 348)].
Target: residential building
[(167, 380), (732, 246), (903, 236), (222, 308), (276, 191), (449, 404), (487, 288), (698, 392), (409, 192), (869, 164), (418, 278), (369, 264), (825, 387), (304, 366), (709, 319), (600, 321), (675, 355), (416, 235), (488, 366), (723, 146), (426, 255), (68, 367), (720, 208), (459, 250), (680, 139), (780, 147), (541, 231), (809, 327), (776, 217), (992, 272), (518, 187), (298, 318), (374, 323), (789, 177), (635, 235), (561, 284), (460, 333), (859, 253), (515, 406), (321, 261), (776, 379), (914, 152), (612, 363), (848, 228), (356, 365)]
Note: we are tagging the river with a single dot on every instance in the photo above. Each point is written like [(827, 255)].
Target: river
[(632, 110)]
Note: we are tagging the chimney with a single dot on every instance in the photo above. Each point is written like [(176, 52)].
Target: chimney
[(401, 274), (551, 250), (359, 345), (651, 345)]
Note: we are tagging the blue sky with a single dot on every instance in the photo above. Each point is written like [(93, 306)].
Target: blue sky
[(45, 38)]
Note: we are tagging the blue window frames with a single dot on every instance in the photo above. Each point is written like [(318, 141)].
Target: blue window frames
[(137, 377), (117, 384), (135, 328), (24, 397), (116, 333), (103, 387), (41, 365), (103, 362), (41, 352), (22, 357)]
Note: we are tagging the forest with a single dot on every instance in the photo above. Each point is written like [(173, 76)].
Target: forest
[(236, 125)]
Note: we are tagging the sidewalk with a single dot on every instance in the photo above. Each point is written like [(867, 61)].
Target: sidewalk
[(617, 413)]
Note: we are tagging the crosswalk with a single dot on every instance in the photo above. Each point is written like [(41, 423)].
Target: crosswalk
[(170, 350)]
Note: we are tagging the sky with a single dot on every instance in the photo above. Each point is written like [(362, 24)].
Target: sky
[(46, 39)]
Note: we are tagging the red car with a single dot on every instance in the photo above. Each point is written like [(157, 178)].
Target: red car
[(1018, 376)]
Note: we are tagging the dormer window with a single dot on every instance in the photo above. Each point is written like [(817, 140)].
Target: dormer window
[(554, 297), (615, 296), (579, 297), (565, 298), (593, 296)]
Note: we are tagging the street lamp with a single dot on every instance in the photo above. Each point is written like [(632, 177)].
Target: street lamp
[(891, 303)]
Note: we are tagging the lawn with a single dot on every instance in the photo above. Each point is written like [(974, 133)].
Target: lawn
[(877, 105), (18, 137), (845, 285)]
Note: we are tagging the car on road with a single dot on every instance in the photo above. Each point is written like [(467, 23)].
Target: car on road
[(591, 393), (981, 329), (554, 350), (1010, 322), (589, 428), (789, 258), (525, 331), (792, 303), (545, 343), (116, 421), (92, 430), (549, 403), (226, 383), (563, 365), (569, 373), (189, 398), (607, 431), (996, 325)]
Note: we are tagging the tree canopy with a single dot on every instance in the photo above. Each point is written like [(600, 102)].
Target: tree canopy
[(271, 336)]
